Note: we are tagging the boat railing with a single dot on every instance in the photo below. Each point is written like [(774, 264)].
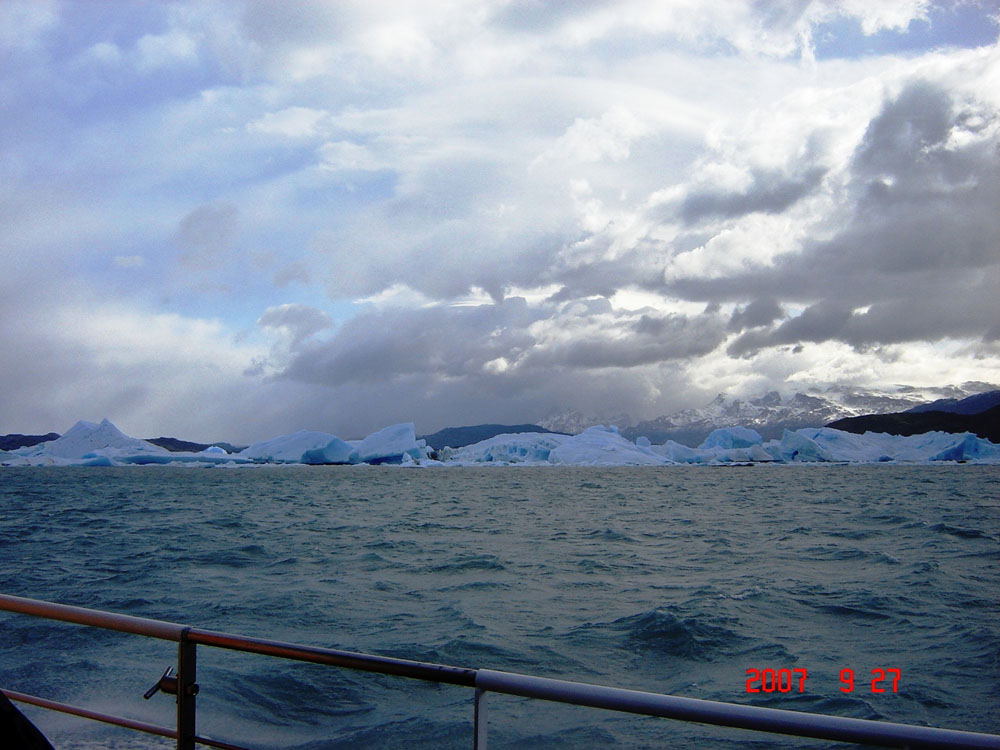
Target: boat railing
[(483, 681)]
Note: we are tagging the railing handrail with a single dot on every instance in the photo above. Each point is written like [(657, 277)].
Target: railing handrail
[(736, 715), (759, 718)]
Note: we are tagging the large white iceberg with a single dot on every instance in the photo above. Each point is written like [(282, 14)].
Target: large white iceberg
[(827, 444), (731, 437), (798, 446), (508, 448), (90, 440), (390, 444), (287, 448), (603, 446), (337, 451)]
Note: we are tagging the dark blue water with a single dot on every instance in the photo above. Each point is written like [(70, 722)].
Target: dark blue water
[(674, 579)]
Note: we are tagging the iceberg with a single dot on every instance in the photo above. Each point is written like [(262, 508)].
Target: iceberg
[(337, 451), (390, 444), (103, 444), (603, 446), (796, 446), (679, 453), (966, 447), (87, 439), (508, 448), (287, 448), (731, 437), (828, 444)]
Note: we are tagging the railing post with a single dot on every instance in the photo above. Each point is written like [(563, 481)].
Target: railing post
[(481, 720), (187, 689)]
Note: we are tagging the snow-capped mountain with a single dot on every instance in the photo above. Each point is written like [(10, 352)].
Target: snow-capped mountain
[(772, 413)]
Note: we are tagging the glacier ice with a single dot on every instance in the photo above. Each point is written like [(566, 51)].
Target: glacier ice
[(337, 451), (390, 444), (103, 444), (603, 446), (519, 448), (287, 448), (797, 446), (731, 437), (88, 437)]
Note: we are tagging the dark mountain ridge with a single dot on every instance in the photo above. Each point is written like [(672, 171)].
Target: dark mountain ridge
[(975, 404), (985, 424), (16, 440)]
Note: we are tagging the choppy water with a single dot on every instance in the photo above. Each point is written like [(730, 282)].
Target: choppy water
[(672, 579)]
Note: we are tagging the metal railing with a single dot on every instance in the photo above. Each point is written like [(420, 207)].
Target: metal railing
[(185, 687)]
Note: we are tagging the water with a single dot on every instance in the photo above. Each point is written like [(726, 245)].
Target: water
[(673, 579)]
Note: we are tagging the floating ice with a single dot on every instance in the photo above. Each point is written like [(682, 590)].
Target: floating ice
[(879, 446), (678, 453), (603, 446), (287, 448), (796, 446), (87, 443), (731, 437), (390, 444), (88, 438), (518, 448), (337, 451)]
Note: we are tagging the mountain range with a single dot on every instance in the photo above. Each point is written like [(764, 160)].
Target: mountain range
[(978, 414), (772, 413)]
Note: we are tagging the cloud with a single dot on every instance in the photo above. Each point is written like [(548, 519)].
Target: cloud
[(438, 342), (769, 192), (345, 155), (592, 139), (208, 233), (24, 22), (291, 122), (760, 312), (412, 174), (918, 242), (300, 321), (165, 50)]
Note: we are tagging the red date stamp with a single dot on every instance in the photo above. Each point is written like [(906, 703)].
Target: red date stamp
[(794, 680)]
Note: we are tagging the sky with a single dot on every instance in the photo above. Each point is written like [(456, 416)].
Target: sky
[(234, 220)]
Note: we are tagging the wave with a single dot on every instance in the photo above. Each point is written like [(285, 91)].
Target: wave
[(663, 632), (961, 532), (466, 562)]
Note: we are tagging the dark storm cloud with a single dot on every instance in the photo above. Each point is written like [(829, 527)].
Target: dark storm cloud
[(820, 322), (760, 312), (470, 344), (600, 278), (672, 337), (897, 140), (435, 341), (771, 192), (921, 250), (912, 319)]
